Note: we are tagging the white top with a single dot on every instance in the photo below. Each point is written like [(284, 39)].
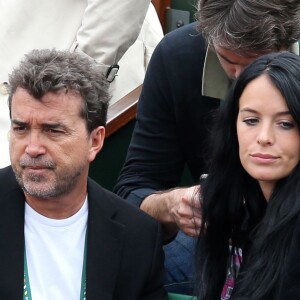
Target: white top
[(54, 252), (101, 29), (135, 61)]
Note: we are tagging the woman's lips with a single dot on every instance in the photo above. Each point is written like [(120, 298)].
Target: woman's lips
[(264, 158)]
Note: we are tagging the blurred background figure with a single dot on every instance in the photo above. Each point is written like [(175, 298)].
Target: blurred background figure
[(134, 62)]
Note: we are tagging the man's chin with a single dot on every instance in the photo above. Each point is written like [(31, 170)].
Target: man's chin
[(39, 190)]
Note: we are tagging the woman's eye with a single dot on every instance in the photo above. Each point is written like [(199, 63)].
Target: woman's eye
[(286, 124), (251, 121)]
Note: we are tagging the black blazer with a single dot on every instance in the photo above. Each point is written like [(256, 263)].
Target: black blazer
[(124, 251)]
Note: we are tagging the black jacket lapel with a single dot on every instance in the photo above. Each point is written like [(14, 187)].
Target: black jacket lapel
[(11, 237), (104, 246)]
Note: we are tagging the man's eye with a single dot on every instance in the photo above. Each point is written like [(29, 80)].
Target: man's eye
[(251, 121), (53, 131), (19, 128)]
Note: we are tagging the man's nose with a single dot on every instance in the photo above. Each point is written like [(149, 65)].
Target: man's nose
[(34, 146), (238, 70)]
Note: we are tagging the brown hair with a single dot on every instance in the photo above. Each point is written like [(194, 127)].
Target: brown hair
[(259, 26)]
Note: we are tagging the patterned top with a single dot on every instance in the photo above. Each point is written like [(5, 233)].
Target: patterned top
[(234, 262)]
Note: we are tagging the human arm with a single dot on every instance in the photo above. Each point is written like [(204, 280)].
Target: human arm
[(146, 151), (159, 148), (176, 209), (109, 28), (171, 127)]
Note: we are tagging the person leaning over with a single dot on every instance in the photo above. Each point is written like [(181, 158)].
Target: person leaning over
[(249, 242), (188, 74), (62, 235)]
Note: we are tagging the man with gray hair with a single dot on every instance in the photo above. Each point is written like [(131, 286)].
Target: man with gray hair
[(62, 235), (189, 72), (101, 29)]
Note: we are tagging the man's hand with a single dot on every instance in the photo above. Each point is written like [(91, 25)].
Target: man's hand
[(176, 209), (185, 209)]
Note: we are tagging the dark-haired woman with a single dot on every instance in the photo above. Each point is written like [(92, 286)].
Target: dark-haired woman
[(249, 245)]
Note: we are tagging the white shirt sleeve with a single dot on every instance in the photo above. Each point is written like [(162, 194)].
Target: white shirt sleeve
[(109, 28)]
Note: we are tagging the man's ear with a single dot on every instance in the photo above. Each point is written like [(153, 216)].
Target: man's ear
[(96, 142)]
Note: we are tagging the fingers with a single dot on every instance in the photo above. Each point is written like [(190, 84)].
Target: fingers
[(192, 197), (190, 225), (186, 210), (192, 228), (189, 206), (191, 232)]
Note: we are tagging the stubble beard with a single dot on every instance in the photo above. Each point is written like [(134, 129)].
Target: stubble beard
[(44, 187)]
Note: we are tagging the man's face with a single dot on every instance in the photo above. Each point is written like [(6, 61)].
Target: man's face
[(232, 63), (50, 147)]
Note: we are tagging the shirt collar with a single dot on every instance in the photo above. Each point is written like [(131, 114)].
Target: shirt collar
[(215, 82)]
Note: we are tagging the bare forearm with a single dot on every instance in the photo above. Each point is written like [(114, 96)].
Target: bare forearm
[(157, 205), (176, 209)]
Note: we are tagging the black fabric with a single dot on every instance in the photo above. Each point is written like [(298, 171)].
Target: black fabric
[(290, 285), (173, 117), (124, 246)]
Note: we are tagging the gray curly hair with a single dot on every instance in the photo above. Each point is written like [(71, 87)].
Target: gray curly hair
[(43, 71)]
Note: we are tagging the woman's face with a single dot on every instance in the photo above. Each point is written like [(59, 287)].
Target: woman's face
[(268, 136)]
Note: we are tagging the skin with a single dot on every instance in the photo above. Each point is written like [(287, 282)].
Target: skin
[(45, 154), (179, 208), (269, 138), (233, 63)]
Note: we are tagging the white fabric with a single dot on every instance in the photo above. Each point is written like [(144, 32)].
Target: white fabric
[(102, 29), (54, 251), (134, 63)]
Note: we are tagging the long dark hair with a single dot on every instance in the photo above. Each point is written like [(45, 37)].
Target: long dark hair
[(234, 209)]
